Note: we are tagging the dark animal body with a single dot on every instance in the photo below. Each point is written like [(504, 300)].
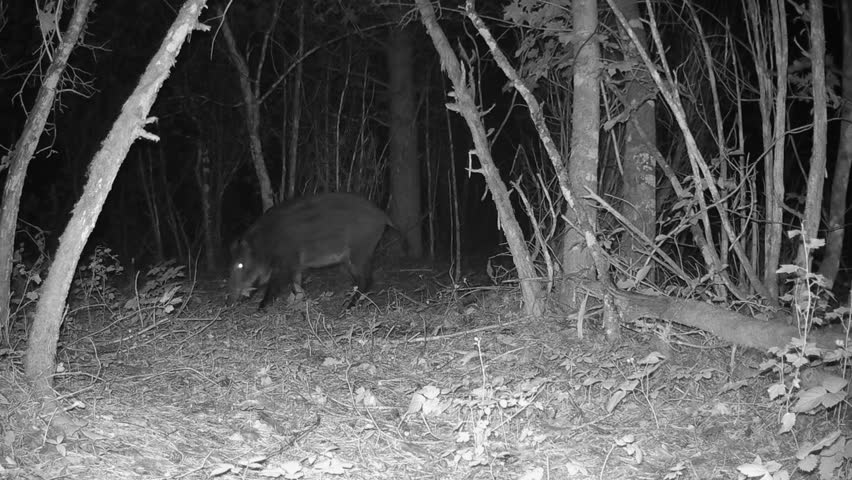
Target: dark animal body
[(308, 232)]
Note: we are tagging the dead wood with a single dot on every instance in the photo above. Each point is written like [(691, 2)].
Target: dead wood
[(726, 324)]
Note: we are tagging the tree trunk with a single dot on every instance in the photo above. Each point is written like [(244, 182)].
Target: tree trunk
[(41, 348), (404, 162), (149, 186), (583, 163), (170, 213), (770, 59), (840, 178), (816, 170), (24, 149), (296, 109), (466, 106), (776, 222), (203, 178), (251, 102), (639, 180)]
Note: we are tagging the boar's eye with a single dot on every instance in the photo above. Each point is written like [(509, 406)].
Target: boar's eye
[(239, 266)]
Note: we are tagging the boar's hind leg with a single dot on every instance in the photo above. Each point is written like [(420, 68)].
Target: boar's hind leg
[(361, 270)]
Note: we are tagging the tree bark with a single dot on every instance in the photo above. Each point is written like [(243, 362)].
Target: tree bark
[(775, 226), (251, 104), (41, 348), (466, 106), (404, 163), (816, 170), (204, 179), (585, 134), (296, 109), (24, 149), (639, 179), (840, 178), (770, 59)]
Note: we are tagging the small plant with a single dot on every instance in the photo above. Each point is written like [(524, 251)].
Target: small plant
[(94, 278), (802, 390), (25, 279), (159, 295), (29, 267), (27, 274)]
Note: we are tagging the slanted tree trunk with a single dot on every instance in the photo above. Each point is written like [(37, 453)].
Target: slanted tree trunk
[(816, 170), (840, 178), (404, 162), (24, 149), (41, 348), (466, 106), (583, 163), (639, 180), (251, 103)]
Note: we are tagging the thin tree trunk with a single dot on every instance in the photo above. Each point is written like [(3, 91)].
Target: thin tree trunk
[(816, 170), (639, 179), (170, 214), (770, 57), (466, 106), (296, 108), (41, 348), (251, 103), (404, 162), (24, 149), (149, 187), (203, 179), (453, 195), (840, 178), (585, 134)]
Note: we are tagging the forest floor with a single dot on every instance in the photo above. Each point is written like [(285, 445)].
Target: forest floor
[(427, 382)]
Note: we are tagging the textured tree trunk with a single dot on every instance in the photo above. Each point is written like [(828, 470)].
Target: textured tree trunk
[(296, 109), (840, 178), (24, 149), (639, 180), (466, 106), (583, 163), (816, 170), (203, 177), (41, 348), (770, 60), (404, 162)]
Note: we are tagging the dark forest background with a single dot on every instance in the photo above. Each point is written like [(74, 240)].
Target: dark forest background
[(153, 210)]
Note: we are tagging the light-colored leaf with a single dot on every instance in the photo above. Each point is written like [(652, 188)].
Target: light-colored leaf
[(776, 390), (809, 400), (833, 383), (652, 358), (575, 468), (221, 469), (536, 473), (752, 470), (614, 400), (788, 421), (808, 464), (416, 403)]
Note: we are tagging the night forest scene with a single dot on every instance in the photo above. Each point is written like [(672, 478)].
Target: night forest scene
[(426, 239)]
